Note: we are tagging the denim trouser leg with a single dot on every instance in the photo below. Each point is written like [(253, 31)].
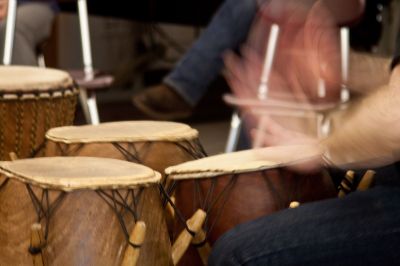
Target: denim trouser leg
[(203, 62), (361, 229)]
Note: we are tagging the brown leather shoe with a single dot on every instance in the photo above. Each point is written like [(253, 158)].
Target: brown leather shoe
[(162, 103)]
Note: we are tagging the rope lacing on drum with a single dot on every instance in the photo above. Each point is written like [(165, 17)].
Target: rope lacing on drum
[(38, 149), (346, 185), (19, 128), (120, 205), (2, 129), (66, 150), (47, 111), (193, 148), (181, 217), (208, 204), (72, 101), (273, 190), (224, 195), (35, 122), (4, 183), (44, 210), (129, 156)]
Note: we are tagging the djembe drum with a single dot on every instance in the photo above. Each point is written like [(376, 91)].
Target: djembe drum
[(80, 211), (32, 100), (154, 144), (233, 188)]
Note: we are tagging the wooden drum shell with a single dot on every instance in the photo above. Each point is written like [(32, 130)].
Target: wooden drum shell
[(24, 120), (252, 196), (83, 229)]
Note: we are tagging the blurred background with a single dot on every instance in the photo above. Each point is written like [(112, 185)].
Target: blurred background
[(140, 41)]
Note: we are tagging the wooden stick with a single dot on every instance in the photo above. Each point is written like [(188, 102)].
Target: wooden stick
[(170, 209), (294, 204), (137, 237), (205, 249), (37, 242), (13, 156), (344, 185), (366, 180), (183, 241)]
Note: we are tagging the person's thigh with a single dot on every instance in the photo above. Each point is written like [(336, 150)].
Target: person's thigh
[(34, 21), (361, 229)]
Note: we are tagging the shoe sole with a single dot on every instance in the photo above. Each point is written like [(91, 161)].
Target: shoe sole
[(157, 115)]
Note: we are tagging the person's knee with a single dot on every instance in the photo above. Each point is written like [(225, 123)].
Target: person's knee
[(224, 250)]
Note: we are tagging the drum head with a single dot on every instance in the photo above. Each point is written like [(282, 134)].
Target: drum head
[(128, 131), (17, 79), (73, 173), (242, 162)]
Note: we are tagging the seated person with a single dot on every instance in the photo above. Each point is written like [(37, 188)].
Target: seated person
[(34, 20), (359, 229), (182, 89)]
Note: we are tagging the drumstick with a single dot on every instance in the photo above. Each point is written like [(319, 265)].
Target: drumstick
[(183, 241), (37, 243), (366, 180), (268, 61), (13, 156), (204, 249), (346, 184), (170, 209), (137, 237)]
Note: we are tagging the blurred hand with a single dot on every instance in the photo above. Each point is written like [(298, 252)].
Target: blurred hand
[(394, 82), (308, 51), (3, 8), (271, 133)]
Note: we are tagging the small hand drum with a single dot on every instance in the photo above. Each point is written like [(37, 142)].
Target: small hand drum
[(79, 211), (238, 187), (32, 100), (154, 144)]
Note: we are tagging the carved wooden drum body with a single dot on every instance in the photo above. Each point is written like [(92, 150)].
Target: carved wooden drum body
[(75, 211), (32, 100), (238, 187)]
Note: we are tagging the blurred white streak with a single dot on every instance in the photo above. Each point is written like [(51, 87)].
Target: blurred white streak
[(268, 60), (345, 53), (321, 88)]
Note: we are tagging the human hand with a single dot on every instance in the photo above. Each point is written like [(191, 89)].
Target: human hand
[(307, 52), (271, 133), (394, 82)]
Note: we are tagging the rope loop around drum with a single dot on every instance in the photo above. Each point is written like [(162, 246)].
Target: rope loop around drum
[(66, 150), (130, 153), (181, 217), (346, 185), (36, 250), (193, 148), (4, 183), (207, 204), (121, 205), (2, 127), (43, 208)]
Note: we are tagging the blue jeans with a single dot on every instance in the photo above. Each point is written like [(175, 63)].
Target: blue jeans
[(203, 62), (361, 229)]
